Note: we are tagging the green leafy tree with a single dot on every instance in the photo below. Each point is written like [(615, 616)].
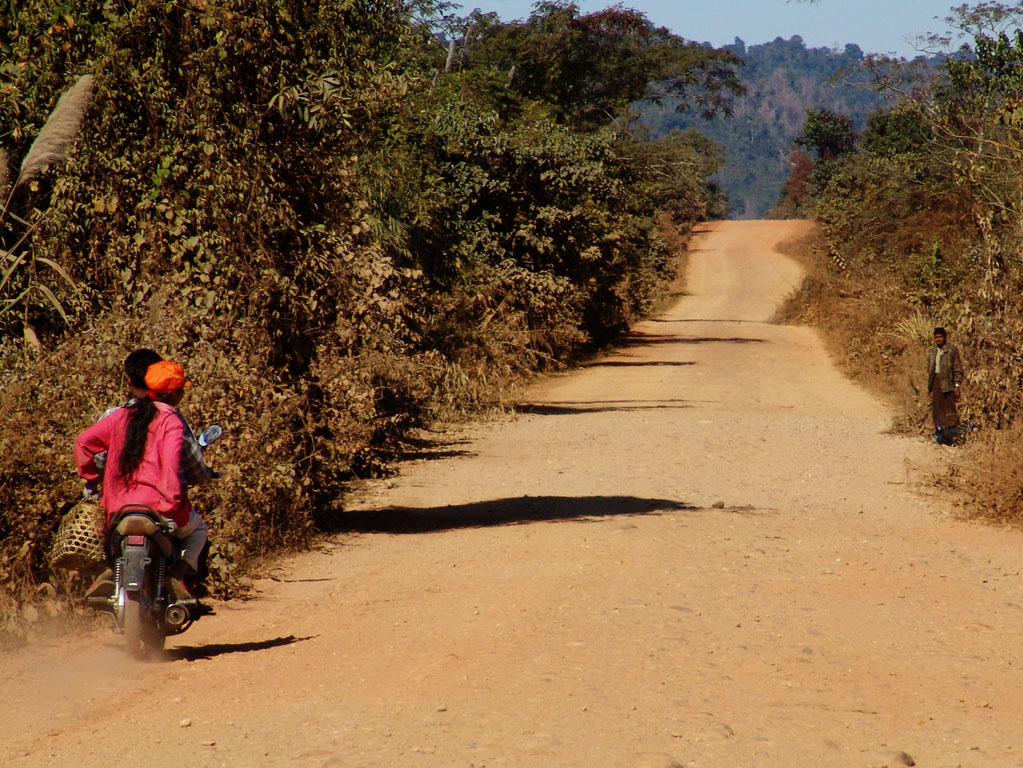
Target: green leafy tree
[(830, 137), (971, 121), (592, 67), (899, 131), (827, 134)]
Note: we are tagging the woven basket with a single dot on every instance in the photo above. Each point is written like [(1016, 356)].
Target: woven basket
[(78, 545)]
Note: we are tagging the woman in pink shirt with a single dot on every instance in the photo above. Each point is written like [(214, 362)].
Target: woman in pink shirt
[(143, 444)]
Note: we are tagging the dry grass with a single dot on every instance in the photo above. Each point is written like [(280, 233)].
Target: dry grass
[(983, 478), (993, 477)]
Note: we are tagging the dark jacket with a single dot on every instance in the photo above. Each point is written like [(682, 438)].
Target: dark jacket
[(950, 369)]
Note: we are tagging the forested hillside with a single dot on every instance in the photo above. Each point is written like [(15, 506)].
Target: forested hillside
[(783, 79), (345, 219), (922, 219)]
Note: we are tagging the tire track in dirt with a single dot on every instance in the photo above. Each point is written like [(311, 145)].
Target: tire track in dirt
[(560, 589)]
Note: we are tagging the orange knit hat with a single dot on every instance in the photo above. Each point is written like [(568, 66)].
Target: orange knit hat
[(165, 377)]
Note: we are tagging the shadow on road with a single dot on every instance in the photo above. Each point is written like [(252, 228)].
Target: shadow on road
[(610, 406), (512, 511), (633, 363), (735, 321), (639, 339), (430, 449), (197, 652)]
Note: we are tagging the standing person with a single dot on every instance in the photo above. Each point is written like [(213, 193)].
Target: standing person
[(944, 377), (144, 441)]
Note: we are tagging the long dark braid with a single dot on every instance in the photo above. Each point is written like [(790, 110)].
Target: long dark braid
[(142, 413)]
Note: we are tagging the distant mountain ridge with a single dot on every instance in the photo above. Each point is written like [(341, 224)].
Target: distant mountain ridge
[(783, 80)]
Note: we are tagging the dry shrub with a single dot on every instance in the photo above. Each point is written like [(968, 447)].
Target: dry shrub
[(983, 479), (676, 237), (287, 447), (989, 478)]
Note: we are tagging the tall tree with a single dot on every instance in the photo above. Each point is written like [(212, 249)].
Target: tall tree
[(592, 67), (829, 134)]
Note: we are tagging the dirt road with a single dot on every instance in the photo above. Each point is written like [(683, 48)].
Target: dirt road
[(702, 550)]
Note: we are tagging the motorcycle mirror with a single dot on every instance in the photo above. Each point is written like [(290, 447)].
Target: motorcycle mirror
[(210, 435)]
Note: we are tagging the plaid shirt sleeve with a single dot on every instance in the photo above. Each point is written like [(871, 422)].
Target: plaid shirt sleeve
[(192, 469)]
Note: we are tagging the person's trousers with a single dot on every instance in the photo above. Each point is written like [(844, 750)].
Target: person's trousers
[(193, 536), (943, 406)]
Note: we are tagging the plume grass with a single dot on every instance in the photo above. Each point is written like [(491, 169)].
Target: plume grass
[(50, 146), (913, 329)]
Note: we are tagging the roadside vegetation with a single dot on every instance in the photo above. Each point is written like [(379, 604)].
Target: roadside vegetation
[(921, 219), (783, 79), (346, 219)]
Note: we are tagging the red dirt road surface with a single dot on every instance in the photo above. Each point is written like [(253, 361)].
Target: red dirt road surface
[(702, 550)]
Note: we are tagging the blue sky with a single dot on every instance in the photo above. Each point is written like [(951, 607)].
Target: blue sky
[(877, 26)]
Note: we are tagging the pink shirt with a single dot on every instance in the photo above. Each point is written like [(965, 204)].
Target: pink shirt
[(155, 482)]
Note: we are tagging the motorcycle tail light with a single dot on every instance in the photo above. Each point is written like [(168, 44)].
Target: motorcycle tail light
[(136, 541)]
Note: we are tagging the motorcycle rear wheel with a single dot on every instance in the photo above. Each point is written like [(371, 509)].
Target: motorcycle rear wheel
[(133, 627), (141, 637)]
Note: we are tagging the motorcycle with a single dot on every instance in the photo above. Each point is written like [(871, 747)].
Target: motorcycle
[(141, 549)]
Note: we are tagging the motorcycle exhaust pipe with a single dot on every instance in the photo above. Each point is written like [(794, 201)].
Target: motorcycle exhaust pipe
[(175, 615)]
